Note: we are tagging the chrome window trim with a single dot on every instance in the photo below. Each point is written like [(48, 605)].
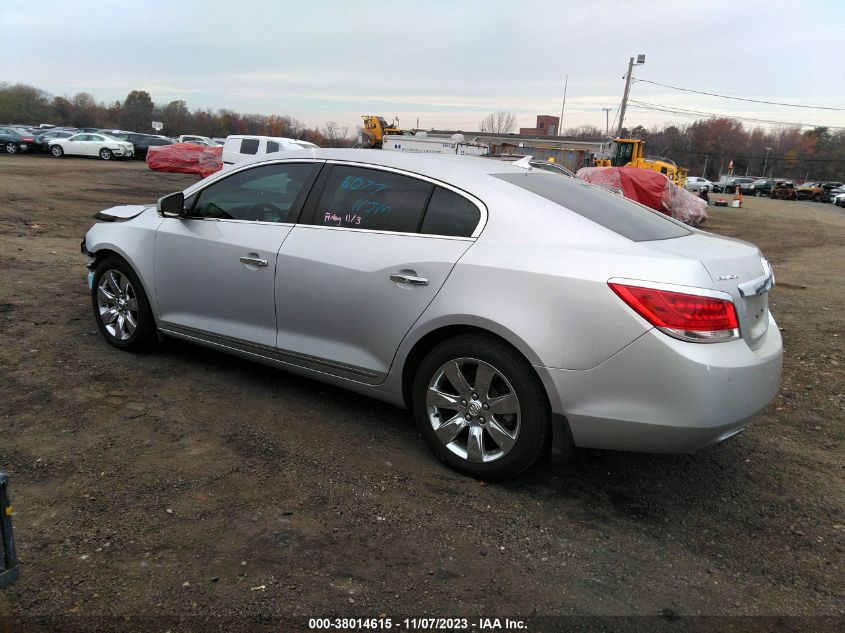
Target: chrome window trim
[(320, 227), (689, 290), (482, 208)]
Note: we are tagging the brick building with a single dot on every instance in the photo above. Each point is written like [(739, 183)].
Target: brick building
[(547, 125)]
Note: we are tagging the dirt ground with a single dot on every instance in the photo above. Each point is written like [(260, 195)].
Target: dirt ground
[(189, 482)]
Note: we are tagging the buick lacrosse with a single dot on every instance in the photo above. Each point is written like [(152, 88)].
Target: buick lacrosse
[(515, 311)]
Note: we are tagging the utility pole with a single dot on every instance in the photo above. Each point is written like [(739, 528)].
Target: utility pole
[(766, 162), (631, 64), (607, 120), (562, 107), (704, 171)]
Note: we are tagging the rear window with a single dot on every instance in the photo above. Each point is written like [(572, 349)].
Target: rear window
[(613, 212)]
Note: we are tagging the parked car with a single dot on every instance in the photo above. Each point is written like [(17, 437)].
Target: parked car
[(240, 147), (8, 556), (189, 138), (100, 145), (809, 191), (513, 310), (728, 185), (839, 199), (696, 184), (43, 140), (141, 143), (14, 140), (827, 190), (759, 187), (218, 141), (784, 190)]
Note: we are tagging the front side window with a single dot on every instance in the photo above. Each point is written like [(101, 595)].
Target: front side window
[(360, 198), (269, 193)]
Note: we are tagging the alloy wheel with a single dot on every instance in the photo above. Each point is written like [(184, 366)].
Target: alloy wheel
[(117, 304), (11, 148), (473, 409)]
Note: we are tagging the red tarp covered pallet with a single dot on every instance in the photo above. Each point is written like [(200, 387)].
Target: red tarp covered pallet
[(186, 158), (651, 189)]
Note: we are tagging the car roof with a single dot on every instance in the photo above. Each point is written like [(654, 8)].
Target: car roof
[(455, 170)]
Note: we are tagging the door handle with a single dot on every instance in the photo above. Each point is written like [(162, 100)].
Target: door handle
[(408, 279), (253, 261)]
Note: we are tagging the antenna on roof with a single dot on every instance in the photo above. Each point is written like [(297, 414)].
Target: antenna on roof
[(524, 162)]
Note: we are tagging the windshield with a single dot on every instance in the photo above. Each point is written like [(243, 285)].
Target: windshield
[(613, 212)]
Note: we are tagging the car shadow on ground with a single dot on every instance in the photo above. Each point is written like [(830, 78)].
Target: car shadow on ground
[(637, 486)]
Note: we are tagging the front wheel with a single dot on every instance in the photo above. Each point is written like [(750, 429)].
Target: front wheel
[(481, 407), (11, 148), (106, 154), (759, 194), (57, 151), (121, 308)]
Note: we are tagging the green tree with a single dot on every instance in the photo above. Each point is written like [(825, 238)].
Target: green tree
[(136, 114)]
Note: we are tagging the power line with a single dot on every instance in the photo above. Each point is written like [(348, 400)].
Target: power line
[(712, 94), (697, 113)]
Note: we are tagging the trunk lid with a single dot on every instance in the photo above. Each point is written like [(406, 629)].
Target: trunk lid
[(736, 267)]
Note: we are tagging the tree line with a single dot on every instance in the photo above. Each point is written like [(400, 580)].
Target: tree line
[(707, 146), (27, 105), (704, 147)]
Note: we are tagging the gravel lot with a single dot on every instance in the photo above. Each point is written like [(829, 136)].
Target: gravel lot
[(189, 482)]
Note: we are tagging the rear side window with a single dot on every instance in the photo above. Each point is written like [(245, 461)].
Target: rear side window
[(272, 146), (360, 198), (613, 212), (249, 146), (450, 214)]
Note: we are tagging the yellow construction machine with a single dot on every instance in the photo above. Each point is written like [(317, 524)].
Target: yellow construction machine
[(375, 129), (628, 152)]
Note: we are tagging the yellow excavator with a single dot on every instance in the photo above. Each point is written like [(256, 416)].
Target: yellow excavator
[(628, 152), (375, 128)]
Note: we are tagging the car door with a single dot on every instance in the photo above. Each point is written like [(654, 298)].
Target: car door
[(364, 263), (77, 144), (215, 268)]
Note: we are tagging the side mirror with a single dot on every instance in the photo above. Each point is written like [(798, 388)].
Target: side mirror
[(171, 205)]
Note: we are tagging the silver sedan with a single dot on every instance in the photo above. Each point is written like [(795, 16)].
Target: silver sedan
[(515, 311)]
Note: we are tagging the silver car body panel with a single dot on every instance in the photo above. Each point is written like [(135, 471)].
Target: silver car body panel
[(533, 273)]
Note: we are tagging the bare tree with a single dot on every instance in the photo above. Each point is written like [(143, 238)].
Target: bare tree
[(501, 122), (334, 134)]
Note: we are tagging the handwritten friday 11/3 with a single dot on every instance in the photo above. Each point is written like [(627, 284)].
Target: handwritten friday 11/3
[(365, 205)]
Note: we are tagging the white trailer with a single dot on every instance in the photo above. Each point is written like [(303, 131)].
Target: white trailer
[(421, 143)]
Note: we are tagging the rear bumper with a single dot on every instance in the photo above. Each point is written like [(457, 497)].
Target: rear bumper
[(662, 395)]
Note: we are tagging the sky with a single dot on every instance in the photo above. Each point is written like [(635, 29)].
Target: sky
[(444, 63)]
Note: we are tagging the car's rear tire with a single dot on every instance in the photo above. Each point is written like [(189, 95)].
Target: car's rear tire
[(481, 407), (759, 194), (816, 197), (11, 148), (121, 307), (106, 154), (57, 151)]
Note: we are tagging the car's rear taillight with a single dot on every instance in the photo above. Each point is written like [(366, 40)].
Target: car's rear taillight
[(690, 317)]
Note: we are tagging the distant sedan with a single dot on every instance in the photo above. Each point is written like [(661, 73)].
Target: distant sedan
[(515, 311), (100, 145)]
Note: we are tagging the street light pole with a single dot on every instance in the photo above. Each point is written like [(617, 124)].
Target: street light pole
[(631, 64), (607, 120), (766, 162)]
